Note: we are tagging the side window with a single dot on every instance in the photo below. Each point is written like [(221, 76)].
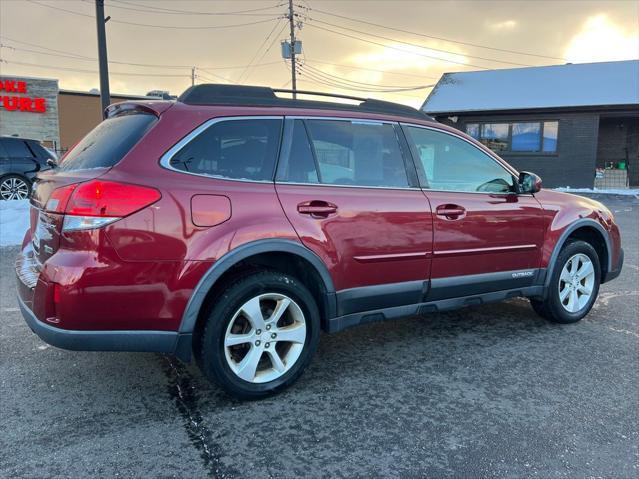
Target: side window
[(450, 163), (237, 149), (300, 165), (17, 148), (360, 153)]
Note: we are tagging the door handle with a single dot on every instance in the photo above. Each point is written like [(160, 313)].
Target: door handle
[(316, 208), (451, 212)]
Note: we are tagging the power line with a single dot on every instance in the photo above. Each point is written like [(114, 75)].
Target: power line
[(395, 48), (149, 25), (259, 49), (333, 81), (503, 50), (53, 67), (74, 56), (184, 12), (46, 48), (372, 69), (422, 46), (159, 10), (199, 75), (268, 49), (316, 82), (357, 83)]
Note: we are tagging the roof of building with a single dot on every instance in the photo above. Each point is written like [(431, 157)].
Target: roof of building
[(557, 86)]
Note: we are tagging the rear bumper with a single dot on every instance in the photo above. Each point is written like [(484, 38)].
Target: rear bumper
[(170, 342), (616, 270)]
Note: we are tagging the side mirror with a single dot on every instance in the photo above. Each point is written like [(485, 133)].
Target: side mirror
[(528, 183)]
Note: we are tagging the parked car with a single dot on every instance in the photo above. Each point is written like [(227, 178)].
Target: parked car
[(234, 225), (20, 160)]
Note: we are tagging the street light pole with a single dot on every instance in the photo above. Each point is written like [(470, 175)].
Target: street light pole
[(105, 95)]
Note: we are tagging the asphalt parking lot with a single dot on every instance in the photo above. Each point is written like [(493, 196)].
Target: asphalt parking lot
[(490, 391)]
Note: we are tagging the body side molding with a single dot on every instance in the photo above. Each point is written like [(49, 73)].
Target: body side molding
[(189, 317)]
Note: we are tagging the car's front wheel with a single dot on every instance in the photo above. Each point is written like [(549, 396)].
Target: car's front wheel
[(574, 284), (260, 335)]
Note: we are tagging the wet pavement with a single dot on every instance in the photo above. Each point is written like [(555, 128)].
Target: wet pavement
[(489, 391)]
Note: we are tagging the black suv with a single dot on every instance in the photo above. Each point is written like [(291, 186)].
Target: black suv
[(20, 160)]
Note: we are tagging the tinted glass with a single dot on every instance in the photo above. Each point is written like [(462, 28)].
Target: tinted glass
[(41, 151), (299, 167), (108, 142), (551, 128), (473, 130), (357, 153), (16, 148), (237, 149), (3, 153), (526, 137), (450, 163), (495, 136)]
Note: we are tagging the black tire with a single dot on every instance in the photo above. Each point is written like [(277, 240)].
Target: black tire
[(210, 354), (550, 307), (17, 177)]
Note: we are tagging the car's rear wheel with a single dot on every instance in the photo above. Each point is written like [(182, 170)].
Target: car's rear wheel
[(14, 187), (260, 335), (574, 284)]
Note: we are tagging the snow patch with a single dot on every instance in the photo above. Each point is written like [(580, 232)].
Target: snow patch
[(14, 221), (608, 191)]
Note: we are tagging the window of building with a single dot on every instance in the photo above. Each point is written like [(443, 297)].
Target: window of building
[(237, 149), (473, 130), (518, 137), (526, 137), (452, 164), (495, 136), (361, 153), (550, 136)]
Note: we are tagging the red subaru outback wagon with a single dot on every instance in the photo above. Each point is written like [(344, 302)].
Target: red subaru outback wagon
[(233, 225)]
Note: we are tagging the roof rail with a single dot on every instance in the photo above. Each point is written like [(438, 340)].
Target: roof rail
[(222, 94)]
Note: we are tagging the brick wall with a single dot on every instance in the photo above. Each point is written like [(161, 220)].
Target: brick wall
[(39, 126)]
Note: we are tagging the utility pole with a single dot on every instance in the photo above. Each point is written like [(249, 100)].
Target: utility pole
[(291, 22), (105, 94), (192, 76)]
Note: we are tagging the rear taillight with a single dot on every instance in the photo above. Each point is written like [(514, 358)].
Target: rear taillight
[(58, 200), (98, 203)]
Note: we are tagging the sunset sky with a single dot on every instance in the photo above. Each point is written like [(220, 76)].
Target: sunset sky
[(353, 47)]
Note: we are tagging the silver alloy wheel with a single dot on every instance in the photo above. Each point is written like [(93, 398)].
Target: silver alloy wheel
[(265, 338), (576, 283), (14, 189)]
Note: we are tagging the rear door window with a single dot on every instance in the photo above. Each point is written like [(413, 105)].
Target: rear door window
[(17, 148), (360, 153), (238, 149), (108, 142)]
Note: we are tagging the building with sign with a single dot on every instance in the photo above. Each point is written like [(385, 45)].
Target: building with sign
[(36, 108), (29, 109), (574, 125)]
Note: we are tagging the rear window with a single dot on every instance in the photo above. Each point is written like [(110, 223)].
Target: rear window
[(108, 142), (236, 149)]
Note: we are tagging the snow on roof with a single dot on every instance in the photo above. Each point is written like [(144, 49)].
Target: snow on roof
[(557, 86)]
